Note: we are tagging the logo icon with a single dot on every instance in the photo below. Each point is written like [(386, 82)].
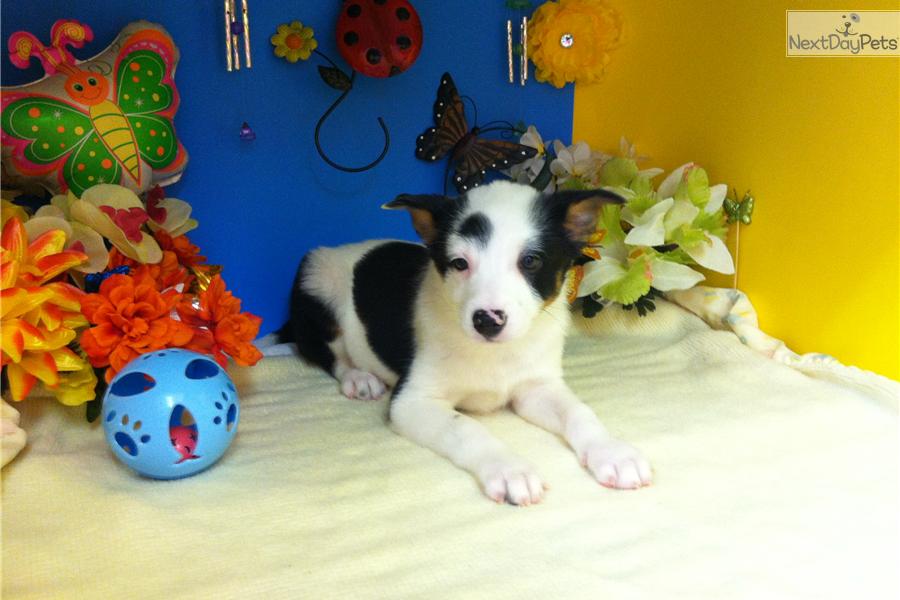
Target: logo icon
[(848, 21), (843, 33)]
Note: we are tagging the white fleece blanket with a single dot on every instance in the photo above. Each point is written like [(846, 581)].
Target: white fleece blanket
[(769, 485)]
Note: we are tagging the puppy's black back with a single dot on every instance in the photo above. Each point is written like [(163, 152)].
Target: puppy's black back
[(386, 282)]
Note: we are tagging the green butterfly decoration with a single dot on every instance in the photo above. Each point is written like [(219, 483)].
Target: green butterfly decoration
[(105, 120), (739, 210)]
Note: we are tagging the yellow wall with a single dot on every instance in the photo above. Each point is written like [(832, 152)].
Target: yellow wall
[(815, 139)]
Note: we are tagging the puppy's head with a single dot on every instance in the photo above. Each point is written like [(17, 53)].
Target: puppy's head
[(503, 249)]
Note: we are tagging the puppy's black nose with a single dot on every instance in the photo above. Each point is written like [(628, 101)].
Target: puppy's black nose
[(489, 323)]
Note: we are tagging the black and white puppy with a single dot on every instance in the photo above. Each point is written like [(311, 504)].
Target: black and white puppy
[(471, 322)]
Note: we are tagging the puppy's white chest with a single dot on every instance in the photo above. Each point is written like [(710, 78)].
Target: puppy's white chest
[(484, 381)]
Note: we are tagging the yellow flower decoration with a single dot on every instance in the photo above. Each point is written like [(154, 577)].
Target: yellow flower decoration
[(9, 210), (294, 42), (570, 40), (38, 318)]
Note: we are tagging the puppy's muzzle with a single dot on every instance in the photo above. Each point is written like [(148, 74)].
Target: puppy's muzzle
[(489, 323)]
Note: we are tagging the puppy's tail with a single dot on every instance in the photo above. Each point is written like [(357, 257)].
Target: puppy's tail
[(285, 335)]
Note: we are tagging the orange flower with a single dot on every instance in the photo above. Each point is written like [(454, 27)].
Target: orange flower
[(132, 318), (38, 319), (32, 264), (222, 327), (571, 40), (187, 253), (167, 273)]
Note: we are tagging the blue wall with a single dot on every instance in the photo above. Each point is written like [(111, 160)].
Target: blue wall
[(262, 204)]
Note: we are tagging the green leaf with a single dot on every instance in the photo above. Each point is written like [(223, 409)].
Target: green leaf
[(713, 223), (543, 178), (631, 286), (611, 222), (335, 78), (94, 407), (679, 256), (638, 205), (688, 236), (618, 172), (695, 188), (574, 183), (640, 185)]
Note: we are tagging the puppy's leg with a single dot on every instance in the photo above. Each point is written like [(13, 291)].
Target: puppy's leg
[(354, 383), (467, 444), (553, 406)]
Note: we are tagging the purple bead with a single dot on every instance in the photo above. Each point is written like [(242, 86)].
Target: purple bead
[(247, 134), (237, 28)]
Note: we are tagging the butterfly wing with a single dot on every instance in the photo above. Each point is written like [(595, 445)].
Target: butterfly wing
[(746, 209), (450, 123), (146, 93), (42, 131), (482, 155), (91, 163), (155, 137)]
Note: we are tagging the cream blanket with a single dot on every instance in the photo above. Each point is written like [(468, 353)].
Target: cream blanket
[(769, 484)]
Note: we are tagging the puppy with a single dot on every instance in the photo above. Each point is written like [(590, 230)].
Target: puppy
[(471, 322)]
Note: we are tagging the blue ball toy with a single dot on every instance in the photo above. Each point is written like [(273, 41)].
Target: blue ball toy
[(170, 414)]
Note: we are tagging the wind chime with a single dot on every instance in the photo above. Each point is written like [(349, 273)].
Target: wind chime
[(236, 27), (521, 49)]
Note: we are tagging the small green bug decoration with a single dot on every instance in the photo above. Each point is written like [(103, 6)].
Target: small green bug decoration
[(740, 210)]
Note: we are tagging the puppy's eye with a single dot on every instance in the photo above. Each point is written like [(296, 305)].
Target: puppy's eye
[(531, 262), (459, 264)]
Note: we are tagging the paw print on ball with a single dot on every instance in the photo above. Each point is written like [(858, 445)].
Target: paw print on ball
[(126, 433), (171, 413)]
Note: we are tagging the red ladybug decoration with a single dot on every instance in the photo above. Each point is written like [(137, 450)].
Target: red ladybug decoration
[(379, 38)]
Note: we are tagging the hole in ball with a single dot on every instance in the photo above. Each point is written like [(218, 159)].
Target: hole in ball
[(201, 368), (231, 417), (126, 443), (132, 384), (183, 433)]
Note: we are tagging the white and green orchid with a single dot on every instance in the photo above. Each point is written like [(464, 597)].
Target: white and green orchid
[(655, 237)]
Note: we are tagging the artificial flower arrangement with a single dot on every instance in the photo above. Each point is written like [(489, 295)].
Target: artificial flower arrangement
[(90, 283), (571, 40), (648, 245)]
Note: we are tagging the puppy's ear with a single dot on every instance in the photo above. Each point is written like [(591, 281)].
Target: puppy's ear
[(580, 209), (425, 210)]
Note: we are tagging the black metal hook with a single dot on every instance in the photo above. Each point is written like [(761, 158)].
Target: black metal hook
[(384, 130)]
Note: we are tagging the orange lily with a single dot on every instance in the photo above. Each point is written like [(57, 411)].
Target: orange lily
[(38, 320), (36, 263)]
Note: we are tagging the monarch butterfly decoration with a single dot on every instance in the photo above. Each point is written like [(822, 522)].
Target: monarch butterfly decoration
[(108, 119), (470, 155)]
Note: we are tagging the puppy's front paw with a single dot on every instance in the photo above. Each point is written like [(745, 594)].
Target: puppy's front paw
[(617, 465), (511, 480), (361, 385)]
